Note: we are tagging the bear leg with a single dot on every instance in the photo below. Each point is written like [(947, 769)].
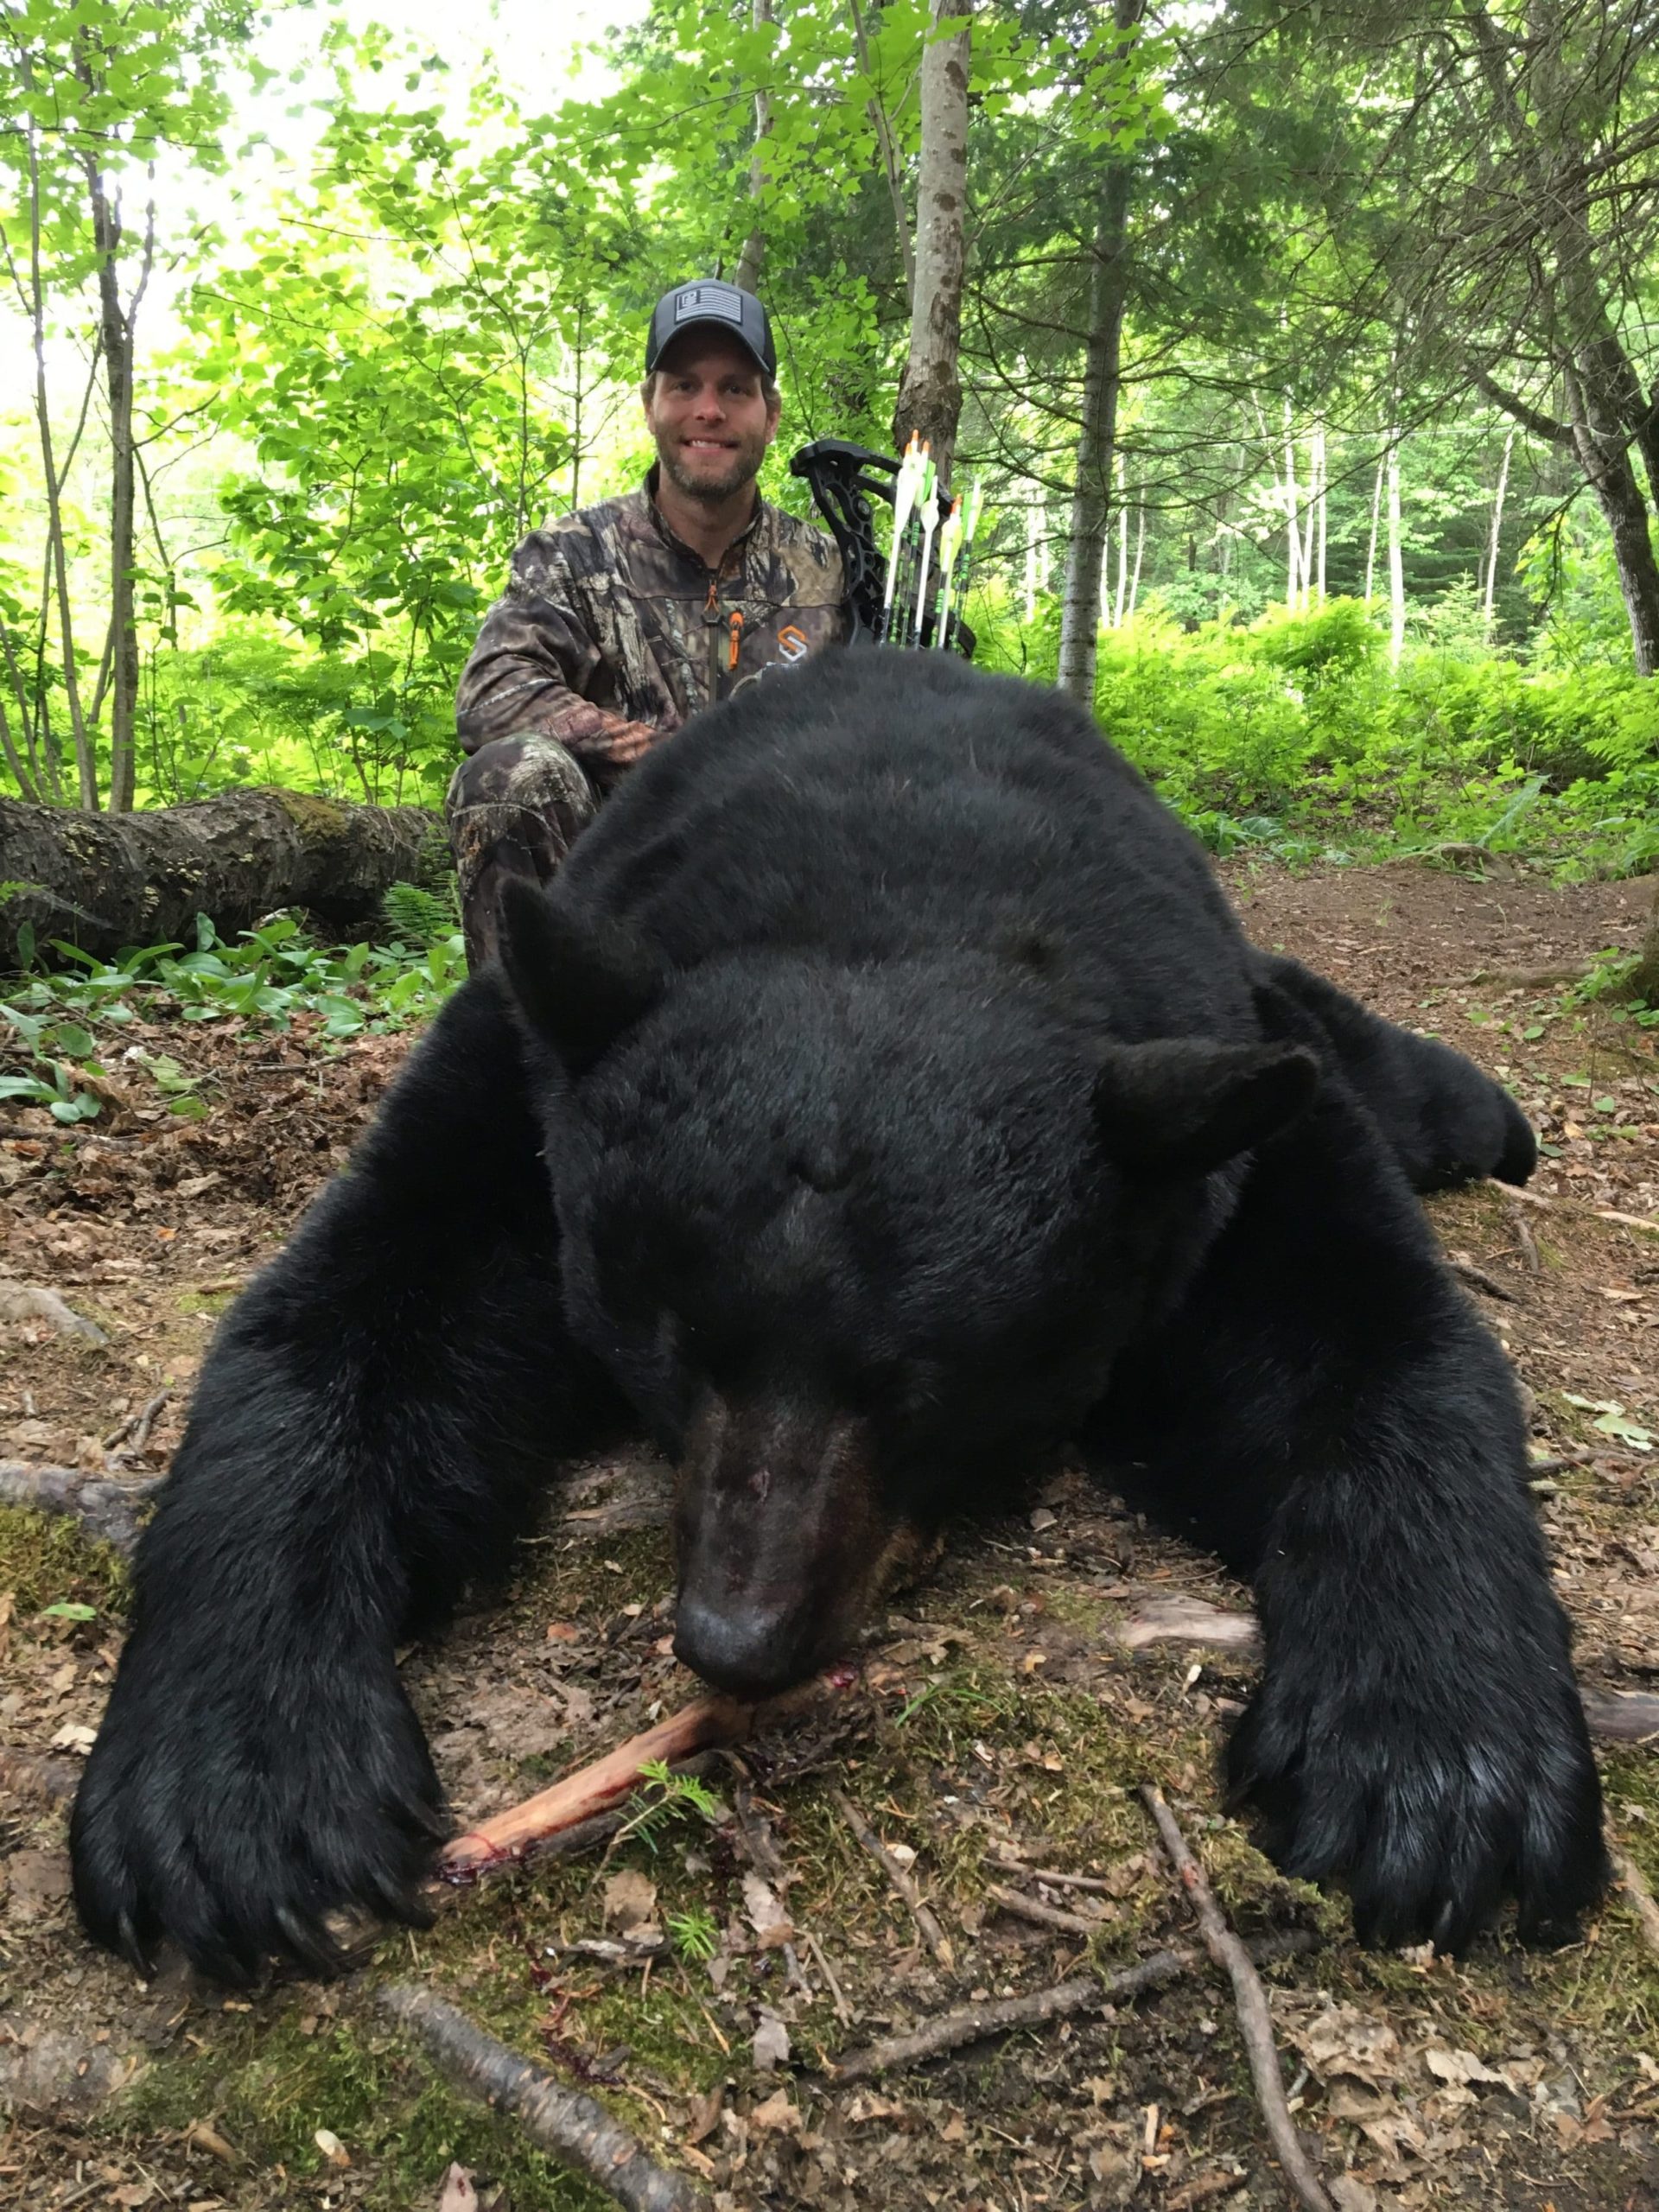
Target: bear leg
[(372, 1421), (1447, 1120), (1329, 1412)]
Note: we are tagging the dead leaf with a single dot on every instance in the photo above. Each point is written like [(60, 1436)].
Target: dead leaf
[(1460, 2067), (38, 1878), (776, 2115), (771, 2045), (765, 1913), (458, 2195), (630, 1900), (705, 2113), (1351, 2196), (1343, 2040)]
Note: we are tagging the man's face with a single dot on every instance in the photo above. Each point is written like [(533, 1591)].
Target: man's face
[(708, 411)]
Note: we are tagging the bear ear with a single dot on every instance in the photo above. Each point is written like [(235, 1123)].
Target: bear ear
[(1182, 1107), (580, 984)]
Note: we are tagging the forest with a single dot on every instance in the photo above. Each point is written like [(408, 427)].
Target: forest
[(1301, 361)]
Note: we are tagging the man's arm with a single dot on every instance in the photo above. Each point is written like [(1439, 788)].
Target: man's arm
[(527, 672)]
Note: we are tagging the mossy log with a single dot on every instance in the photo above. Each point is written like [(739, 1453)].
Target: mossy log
[(104, 881)]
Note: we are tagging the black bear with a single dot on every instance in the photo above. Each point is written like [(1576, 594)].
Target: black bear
[(882, 1101)]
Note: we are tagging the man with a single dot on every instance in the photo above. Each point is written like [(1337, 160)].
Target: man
[(621, 621)]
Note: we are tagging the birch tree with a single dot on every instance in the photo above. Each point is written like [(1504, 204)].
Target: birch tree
[(930, 392)]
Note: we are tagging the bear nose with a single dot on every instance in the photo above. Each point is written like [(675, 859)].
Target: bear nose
[(747, 1651)]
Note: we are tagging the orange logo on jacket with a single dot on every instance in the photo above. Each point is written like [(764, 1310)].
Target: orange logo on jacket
[(792, 642)]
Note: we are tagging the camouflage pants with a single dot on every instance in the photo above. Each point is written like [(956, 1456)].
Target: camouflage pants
[(514, 808)]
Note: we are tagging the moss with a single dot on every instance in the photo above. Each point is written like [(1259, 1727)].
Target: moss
[(48, 1557), (267, 2087), (319, 821), (198, 1301)]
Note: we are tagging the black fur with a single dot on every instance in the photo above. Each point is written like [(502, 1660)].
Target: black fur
[(941, 1116)]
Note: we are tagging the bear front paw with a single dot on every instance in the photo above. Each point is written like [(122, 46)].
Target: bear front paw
[(236, 1826), (1428, 1809)]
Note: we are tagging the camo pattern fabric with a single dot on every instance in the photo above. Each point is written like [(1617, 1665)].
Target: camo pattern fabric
[(611, 631), (513, 808)]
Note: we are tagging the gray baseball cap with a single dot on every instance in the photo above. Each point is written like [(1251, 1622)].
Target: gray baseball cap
[(714, 306)]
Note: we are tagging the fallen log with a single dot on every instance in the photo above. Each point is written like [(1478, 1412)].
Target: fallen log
[(104, 881), (105, 1509)]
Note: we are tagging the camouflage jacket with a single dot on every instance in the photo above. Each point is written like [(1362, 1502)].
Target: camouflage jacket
[(611, 631)]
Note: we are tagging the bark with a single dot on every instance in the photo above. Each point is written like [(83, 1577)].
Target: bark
[(103, 882), (1397, 558), (1601, 443), (930, 395), (1497, 528), (1644, 984), (1098, 436), (754, 246), (116, 329)]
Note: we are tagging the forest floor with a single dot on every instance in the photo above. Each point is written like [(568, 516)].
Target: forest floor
[(1013, 1722)]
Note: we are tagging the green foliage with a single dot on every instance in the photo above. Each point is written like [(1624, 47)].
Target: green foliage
[(68, 1026), (667, 1798), (695, 1934), (1293, 735)]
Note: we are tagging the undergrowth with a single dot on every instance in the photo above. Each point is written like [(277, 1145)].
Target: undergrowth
[(1294, 737), (69, 1028)]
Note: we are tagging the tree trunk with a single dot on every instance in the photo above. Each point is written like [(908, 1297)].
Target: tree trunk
[(1109, 288), (1396, 559), (930, 396), (754, 246), (1600, 441), (1497, 528), (1644, 984), (103, 881)]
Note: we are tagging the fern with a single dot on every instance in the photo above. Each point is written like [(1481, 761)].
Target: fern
[(426, 917)]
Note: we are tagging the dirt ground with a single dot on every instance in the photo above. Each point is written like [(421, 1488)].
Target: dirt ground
[(1012, 1724)]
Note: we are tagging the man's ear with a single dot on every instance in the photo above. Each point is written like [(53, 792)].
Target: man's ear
[(580, 984), (1181, 1107)]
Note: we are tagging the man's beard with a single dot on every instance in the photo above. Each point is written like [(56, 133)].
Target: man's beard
[(714, 490)]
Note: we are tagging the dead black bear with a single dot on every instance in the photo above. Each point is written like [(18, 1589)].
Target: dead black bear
[(883, 1101)]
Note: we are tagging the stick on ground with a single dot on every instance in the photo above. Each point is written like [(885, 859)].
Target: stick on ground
[(592, 1789), (1041, 1915), (1251, 2001), (1083, 1992), (574, 2126), (1520, 1229), (932, 1934)]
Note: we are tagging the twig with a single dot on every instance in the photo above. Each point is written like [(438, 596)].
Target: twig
[(843, 2011), (1477, 1279), (1641, 1897), (108, 1508), (28, 1301), (137, 1427), (1062, 2000), (932, 1934), (1521, 1229), (1052, 1875), (1041, 1915), (1583, 1205), (1251, 2001), (571, 2124)]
